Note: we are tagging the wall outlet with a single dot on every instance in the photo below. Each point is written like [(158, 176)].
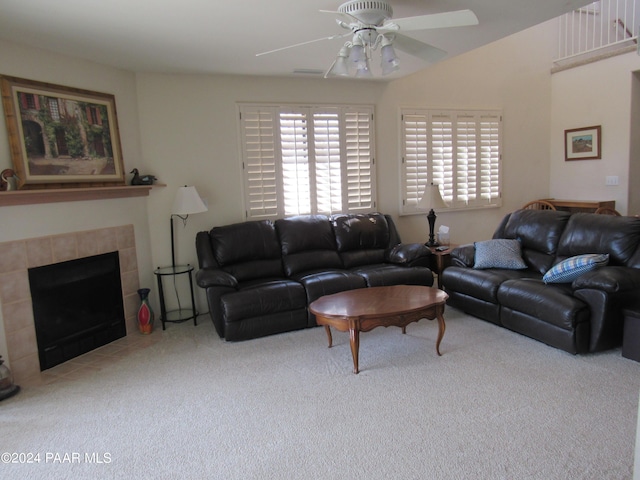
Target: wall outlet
[(612, 180)]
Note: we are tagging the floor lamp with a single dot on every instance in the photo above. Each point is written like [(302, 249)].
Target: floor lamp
[(187, 202), (431, 199)]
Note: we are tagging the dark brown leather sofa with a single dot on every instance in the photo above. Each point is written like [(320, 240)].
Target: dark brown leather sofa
[(260, 276), (582, 316)]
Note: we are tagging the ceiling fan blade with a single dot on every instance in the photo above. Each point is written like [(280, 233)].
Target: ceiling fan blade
[(459, 18), (345, 15), (332, 37), (418, 49)]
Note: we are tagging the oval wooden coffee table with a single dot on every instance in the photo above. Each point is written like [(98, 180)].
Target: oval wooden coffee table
[(364, 309)]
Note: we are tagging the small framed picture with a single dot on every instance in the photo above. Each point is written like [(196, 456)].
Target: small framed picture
[(583, 143)]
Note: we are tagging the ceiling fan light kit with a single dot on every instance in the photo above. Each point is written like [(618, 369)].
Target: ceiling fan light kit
[(371, 27)]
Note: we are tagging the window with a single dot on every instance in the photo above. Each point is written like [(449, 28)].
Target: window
[(54, 110), (93, 115), (458, 150), (307, 160), (29, 101)]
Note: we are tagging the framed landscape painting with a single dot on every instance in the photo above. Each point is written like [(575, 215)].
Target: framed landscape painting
[(583, 143), (61, 135)]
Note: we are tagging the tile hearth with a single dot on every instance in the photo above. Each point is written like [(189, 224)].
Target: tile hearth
[(92, 362), (16, 257)]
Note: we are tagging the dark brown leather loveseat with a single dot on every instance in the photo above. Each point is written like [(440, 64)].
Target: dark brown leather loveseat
[(260, 276), (582, 315)]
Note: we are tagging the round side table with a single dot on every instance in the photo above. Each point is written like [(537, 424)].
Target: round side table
[(178, 315)]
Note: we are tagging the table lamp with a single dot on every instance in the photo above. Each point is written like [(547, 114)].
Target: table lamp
[(431, 199), (187, 202)]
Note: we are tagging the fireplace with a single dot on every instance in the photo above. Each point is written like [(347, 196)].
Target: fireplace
[(77, 307), (17, 257)]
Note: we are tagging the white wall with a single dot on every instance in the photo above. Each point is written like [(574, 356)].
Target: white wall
[(634, 160), (189, 133), (28, 221), (513, 75), (594, 94)]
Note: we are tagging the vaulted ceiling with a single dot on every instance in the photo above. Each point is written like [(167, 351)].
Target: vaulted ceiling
[(215, 36)]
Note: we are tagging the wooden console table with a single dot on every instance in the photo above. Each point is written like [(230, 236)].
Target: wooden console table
[(588, 206)]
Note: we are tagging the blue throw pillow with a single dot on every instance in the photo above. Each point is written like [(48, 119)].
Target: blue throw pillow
[(568, 270), (499, 253)]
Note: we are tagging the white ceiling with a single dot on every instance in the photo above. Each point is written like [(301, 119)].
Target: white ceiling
[(223, 36)]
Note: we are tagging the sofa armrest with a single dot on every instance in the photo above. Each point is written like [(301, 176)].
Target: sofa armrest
[(609, 279), (464, 256), (409, 254), (213, 277)]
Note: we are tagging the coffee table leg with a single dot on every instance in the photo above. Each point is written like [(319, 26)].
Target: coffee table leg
[(441, 328), (354, 337), (328, 330)]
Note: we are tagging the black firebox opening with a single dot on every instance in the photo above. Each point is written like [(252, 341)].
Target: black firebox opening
[(77, 307)]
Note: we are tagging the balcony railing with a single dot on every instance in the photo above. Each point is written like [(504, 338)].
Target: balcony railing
[(598, 29)]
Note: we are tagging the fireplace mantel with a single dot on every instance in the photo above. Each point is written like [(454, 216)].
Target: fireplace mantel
[(51, 195)]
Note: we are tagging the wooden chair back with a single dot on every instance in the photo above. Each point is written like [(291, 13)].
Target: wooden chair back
[(607, 211), (538, 205)]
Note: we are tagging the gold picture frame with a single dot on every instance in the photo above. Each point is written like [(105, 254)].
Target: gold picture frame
[(583, 143), (61, 136)]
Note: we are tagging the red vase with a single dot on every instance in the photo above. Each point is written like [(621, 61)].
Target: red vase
[(145, 313)]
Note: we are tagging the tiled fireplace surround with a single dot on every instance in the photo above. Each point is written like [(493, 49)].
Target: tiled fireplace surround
[(18, 256)]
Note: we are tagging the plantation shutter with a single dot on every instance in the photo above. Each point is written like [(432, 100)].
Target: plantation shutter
[(260, 161), (490, 139), (415, 164), (307, 160), (457, 150), (442, 153), (294, 145), (359, 159), (328, 171), (466, 161)]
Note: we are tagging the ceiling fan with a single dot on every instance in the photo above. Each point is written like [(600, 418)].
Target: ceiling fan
[(371, 26)]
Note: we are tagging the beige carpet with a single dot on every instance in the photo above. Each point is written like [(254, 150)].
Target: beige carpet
[(496, 405)]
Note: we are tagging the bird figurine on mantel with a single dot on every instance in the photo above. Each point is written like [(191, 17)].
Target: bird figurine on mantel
[(8, 180), (141, 179)]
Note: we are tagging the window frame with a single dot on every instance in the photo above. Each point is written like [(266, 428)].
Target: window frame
[(261, 135), (418, 164)]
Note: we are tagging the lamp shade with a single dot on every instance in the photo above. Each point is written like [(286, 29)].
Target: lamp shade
[(357, 54), (431, 198), (340, 66), (187, 202)]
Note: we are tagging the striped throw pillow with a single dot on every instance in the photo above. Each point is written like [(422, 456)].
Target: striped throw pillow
[(568, 270)]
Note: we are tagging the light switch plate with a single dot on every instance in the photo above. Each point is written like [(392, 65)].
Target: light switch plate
[(612, 180)]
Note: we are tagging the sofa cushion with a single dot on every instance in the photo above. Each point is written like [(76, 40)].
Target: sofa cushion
[(499, 253), (590, 233), (262, 299), (361, 239), (305, 233), (409, 253), (356, 258), (539, 232), (554, 305), (361, 231), (327, 282), (481, 284), (242, 242), (386, 274), (307, 243), (247, 250), (571, 268)]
